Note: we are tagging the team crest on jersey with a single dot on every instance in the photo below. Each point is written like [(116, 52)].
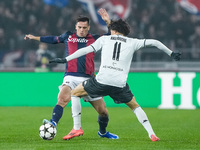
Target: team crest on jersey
[(75, 40)]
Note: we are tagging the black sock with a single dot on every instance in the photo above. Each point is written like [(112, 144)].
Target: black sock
[(103, 122)]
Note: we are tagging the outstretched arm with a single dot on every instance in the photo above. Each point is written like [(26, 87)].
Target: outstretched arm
[(80, 52), (45, 39), (175, 55), (32, 37), (104, 15)]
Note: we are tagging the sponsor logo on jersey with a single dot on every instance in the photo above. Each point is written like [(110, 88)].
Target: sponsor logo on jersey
[(111, 67), (79, 40)]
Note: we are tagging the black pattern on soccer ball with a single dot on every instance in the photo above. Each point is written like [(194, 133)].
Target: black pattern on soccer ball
[(47, 131)]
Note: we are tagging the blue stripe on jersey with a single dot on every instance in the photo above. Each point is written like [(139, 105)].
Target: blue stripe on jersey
[(67, 54), (81, 60)]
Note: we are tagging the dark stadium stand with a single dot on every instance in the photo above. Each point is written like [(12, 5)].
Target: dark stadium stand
[(162, 20)]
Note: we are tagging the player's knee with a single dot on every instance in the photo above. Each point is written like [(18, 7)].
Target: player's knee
[(64, 100), (103, 112)]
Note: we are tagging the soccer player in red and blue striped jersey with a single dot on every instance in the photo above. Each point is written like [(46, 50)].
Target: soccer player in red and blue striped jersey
[(84, 66), (77, 71)]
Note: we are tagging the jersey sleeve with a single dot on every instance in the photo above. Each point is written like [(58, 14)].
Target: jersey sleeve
[(80, 52), (159, 45), (55, 39), (138, 44), (62, 37), (97, 45), (49, 39)]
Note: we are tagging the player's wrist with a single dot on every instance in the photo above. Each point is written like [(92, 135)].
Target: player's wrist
[(107, 22), (37, 38)]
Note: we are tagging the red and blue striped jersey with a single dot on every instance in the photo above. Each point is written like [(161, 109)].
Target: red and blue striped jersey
[(82, 66)]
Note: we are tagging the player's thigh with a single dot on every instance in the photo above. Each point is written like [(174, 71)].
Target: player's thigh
[(79, 91), (72, 81), (65, 93), (100, 106), (132, 104)]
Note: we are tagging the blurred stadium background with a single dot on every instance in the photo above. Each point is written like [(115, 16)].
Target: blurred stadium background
[(174, 22)]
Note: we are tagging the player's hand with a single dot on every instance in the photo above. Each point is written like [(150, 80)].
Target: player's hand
[(176, 56), (104, 15), (29, 36), (58, 60)]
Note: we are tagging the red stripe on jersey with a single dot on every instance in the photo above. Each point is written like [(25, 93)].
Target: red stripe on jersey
[(72, 47), (89, 64)]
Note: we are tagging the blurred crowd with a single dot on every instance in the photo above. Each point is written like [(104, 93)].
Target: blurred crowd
[(164, 20), (22, 17)]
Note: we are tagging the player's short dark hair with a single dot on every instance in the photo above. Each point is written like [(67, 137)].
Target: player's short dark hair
[(120, 26), (83, 19)]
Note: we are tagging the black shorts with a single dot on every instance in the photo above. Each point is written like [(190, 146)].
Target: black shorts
[(119, 95)]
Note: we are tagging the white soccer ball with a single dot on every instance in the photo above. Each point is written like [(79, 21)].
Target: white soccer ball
[(47, 131)]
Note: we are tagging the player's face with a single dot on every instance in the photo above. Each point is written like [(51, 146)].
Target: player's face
[(82, 28)]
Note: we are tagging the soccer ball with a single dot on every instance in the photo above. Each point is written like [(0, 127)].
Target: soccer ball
[(47, 131)]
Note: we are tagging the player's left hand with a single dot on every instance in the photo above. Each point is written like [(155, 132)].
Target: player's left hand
[(29, 37), (104, 15), (176, 56), (58, 60)]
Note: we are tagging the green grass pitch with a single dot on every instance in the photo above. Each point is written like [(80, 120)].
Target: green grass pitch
[(177, 129)]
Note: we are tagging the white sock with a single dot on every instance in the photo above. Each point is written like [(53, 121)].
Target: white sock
[(76, 112), (142, 118)]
